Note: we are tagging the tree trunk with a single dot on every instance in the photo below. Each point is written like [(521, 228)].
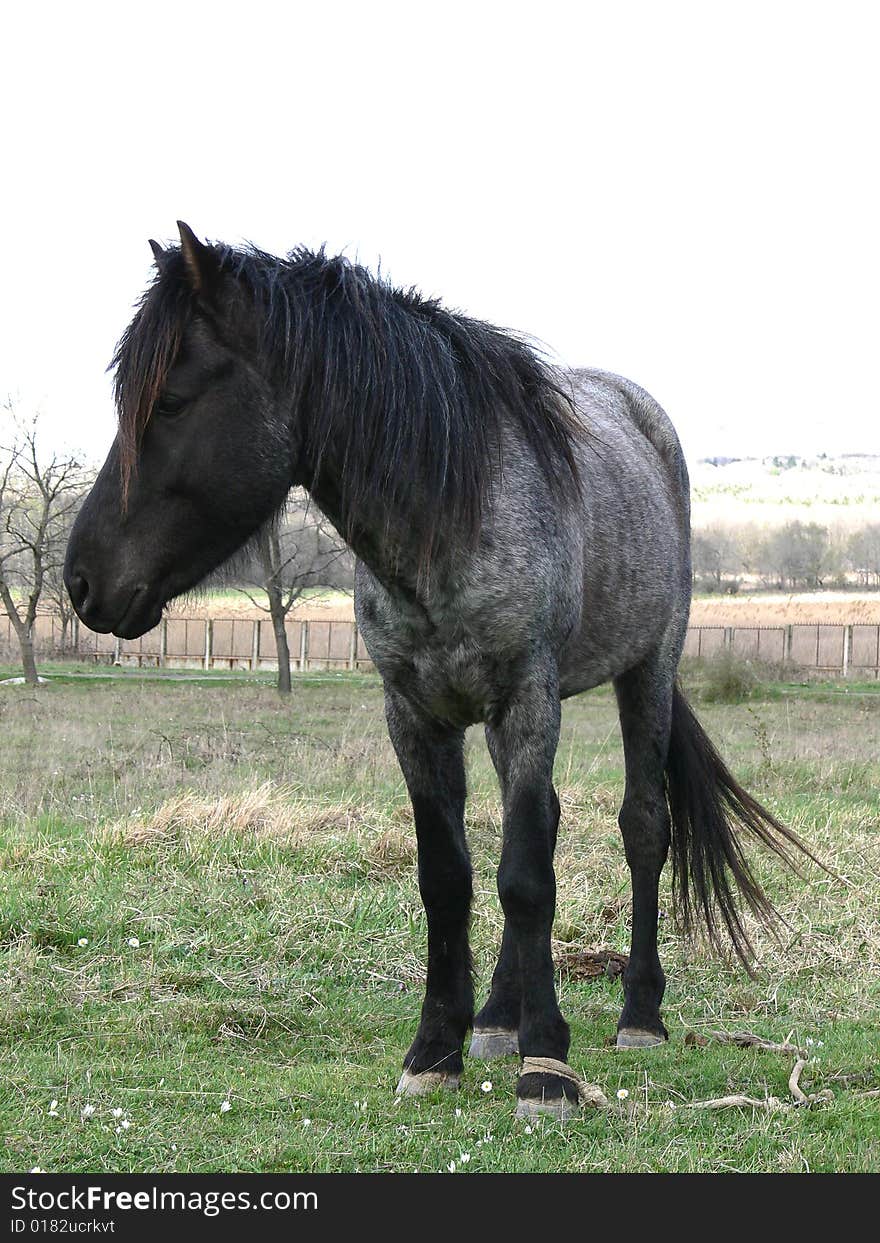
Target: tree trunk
[(28, 664), (276, 609)]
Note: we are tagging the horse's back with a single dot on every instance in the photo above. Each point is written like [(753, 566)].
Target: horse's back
[(636, 520)]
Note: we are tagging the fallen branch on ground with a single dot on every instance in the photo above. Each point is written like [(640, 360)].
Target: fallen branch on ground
[(743, 1040), (801, 1098), (770, 1103)]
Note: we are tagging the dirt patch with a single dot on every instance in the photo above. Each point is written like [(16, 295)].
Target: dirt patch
[(587, 964)]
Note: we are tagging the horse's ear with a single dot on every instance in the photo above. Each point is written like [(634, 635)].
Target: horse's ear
[(200, 261), (158, 252)]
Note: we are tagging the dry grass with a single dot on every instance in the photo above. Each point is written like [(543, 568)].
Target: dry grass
[(267, 812)]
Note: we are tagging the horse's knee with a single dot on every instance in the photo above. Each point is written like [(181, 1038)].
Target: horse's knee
[(526, 893), (446, 885)]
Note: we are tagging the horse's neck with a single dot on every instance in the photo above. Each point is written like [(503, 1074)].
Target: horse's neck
[(386, 543)]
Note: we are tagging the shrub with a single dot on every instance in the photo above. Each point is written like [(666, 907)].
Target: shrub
[(726, 678)]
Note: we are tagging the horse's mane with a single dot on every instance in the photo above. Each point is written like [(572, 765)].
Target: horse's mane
[(411, 396)]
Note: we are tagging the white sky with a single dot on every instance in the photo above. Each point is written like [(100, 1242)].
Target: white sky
[(685, 193)]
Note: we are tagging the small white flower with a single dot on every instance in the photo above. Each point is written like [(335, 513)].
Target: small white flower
[(670, 1104), (124, 1124), (225, 1107), (134, 943), (307, 1122), (117, 1113), (809, 1040), (53, 1105), (451, 1167), (486, 1085), (87, 1111), (458, 1113), (83, 942), (36, 1170), (622, 1094), (464, 1157), (528, 1130)]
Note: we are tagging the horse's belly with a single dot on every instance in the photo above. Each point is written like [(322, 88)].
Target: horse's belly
[(613, 638)]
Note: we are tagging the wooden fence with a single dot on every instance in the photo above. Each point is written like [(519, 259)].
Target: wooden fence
[(843, 650), (241, 643), (200, 643)]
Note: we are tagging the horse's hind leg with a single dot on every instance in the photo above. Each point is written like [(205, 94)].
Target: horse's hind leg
[(431, 757), (644, 696), (522, 739)]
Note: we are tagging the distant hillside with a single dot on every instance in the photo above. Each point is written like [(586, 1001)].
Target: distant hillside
[(839, 492)]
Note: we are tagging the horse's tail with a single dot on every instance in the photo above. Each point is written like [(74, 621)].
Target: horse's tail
[(708, 806)]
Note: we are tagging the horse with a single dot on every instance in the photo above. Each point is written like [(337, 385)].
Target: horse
[(521, 534)]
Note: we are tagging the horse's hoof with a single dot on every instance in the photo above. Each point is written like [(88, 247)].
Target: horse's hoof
[(489, 1043), (638, 1038), (428, 1081), (561, 1108)]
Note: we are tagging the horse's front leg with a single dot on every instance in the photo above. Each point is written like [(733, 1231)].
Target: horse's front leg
[(431, 757), (522, 739), (496, 1026)]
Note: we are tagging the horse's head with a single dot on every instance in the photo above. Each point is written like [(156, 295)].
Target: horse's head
[(203, 455)]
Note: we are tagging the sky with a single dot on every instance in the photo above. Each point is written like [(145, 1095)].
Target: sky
[(685, 193)]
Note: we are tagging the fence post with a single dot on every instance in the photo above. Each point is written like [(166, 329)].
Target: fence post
[(789, 643), (209, 642), (847, 649), (117, 652), (163, 643), (353, 646), (303, 645), (728, 637), (74, 633), (255, 647)]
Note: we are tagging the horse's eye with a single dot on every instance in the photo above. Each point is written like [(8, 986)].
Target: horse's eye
[(168, 407)]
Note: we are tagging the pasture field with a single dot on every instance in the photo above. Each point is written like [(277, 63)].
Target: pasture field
[(212, 944), (763, 608)]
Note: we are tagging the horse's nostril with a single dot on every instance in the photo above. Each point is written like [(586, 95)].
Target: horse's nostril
[(78, 589)]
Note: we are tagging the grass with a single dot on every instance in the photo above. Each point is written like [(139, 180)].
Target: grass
[(243, 872)]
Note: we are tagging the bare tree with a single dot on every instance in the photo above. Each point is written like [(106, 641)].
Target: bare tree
[(715, 553), (300, 550), (39, 492), (798, 553), (863, 554)]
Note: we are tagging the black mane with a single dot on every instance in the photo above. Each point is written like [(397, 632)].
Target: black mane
[(410, 395)]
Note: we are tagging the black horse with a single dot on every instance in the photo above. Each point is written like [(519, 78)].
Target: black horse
[(522, 534)]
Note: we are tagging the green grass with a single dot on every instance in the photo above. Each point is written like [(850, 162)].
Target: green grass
[(281, 940)]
